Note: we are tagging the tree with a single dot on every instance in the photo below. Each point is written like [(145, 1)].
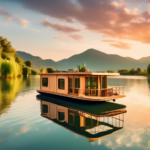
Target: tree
[(18, 60), (138, 70), (148, 69), (50, 70), (132, 71), (28, 63), (42, 70), (6, 46)]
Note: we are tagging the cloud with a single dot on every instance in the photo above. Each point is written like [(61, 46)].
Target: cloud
[(9, 17), (105, 17), (59, 27), (23, 129), (64, 37), (23, 22), (119, 44), (6, 14), (76, 36)]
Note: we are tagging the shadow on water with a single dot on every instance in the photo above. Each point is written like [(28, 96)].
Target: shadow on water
[(90, 120), (9, 88)]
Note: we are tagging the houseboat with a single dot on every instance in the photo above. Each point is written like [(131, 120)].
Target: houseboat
[(86, 86), (92, 122)]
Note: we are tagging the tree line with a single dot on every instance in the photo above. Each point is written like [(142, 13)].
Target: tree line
[(12, 65)]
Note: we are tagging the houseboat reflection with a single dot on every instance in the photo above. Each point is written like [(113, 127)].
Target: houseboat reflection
[(91, 120)]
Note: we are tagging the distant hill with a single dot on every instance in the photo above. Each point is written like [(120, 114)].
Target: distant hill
[(94, 59)]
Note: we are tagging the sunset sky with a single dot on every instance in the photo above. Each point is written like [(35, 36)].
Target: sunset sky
[(58, 29)]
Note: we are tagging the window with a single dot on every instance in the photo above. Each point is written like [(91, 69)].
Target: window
[(77, 85), (45, 82), (70, 85), (77, 82), (61, 84), (45, 109), (61, 116)]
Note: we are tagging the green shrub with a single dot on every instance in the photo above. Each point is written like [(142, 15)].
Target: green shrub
[(33, 72), (50, 70), (6, 69), (123, 71), (112, 71)]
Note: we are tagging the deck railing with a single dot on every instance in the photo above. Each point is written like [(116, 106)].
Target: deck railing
[(105, 92)]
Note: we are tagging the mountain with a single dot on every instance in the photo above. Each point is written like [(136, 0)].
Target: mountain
[(94, 59)]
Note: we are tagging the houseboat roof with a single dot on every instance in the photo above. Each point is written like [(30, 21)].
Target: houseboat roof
[(82, 73)]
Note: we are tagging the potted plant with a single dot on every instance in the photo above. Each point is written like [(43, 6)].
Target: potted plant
[(82, 68)]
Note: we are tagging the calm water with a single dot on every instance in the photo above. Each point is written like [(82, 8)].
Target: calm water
[(25, 123)]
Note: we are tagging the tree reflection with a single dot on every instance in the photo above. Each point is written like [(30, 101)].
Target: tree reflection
[(9, 88)]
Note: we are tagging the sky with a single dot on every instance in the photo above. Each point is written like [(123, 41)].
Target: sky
[(58, 29)]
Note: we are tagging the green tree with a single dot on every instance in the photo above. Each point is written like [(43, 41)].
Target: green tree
[(6, 69), (138, 70), (19, 60), (6, 46), (50, 70), (148, 69), (132, 71), (28, 63)]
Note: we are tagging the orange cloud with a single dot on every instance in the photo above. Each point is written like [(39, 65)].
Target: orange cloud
[(118, 44), (76, 36)]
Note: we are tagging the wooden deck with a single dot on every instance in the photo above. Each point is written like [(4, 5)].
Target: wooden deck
[(83, 97)]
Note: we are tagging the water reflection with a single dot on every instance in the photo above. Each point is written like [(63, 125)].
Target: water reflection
[(91, 120), (9, 88)]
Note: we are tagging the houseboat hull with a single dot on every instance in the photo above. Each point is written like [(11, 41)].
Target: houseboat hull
[(82, 98)]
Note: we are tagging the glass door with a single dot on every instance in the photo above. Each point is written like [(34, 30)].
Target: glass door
[(74, 85), (94, 91), (91, 86)]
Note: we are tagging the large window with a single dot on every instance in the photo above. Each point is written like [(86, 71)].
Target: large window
[(45, 82), (61, 84)]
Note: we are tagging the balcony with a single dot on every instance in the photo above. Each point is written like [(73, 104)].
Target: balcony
[(113, 92)]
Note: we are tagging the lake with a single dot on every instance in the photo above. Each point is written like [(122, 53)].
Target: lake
[(25, 123)]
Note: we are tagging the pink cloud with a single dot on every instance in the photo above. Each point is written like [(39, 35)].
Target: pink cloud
[(23, 22), (105, 17), (59, 27), (9, 17)]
